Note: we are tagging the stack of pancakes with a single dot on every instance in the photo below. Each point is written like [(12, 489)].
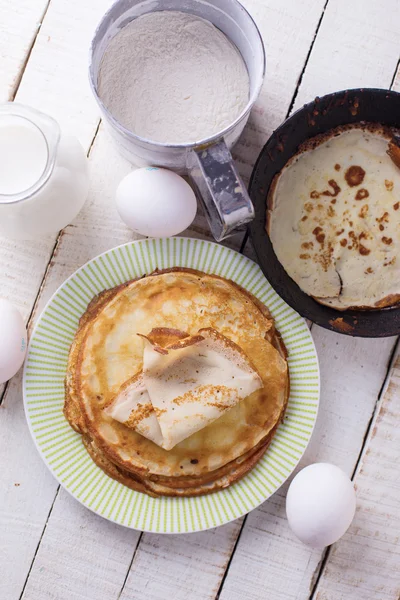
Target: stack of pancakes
[(107, 352)]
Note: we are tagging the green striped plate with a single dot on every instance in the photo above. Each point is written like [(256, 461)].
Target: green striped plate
[(62, 448)]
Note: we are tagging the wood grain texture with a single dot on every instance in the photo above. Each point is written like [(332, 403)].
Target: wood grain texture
[(56, 78), (19, 24), (396, 78), (165, 566), (27, 493), (365, 563), (86, 560), (357, 46)]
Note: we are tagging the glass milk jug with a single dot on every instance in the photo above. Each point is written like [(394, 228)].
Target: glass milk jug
[(44, 178)]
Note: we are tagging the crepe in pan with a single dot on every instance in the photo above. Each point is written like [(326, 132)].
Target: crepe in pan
[(334, 218)]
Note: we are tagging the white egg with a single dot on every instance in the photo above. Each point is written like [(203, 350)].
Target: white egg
[(156, 202), (12, 340), (320, 504)]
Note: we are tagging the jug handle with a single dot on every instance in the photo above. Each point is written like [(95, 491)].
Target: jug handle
[(223, 194)]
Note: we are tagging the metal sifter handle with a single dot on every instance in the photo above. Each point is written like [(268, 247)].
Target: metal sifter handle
[(224, 196)]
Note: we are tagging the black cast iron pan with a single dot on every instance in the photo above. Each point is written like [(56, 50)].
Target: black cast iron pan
[(319, 116)]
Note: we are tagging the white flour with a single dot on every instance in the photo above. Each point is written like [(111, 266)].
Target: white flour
[(173, 77)]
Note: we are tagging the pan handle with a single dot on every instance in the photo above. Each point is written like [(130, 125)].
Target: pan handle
[(224, 196)]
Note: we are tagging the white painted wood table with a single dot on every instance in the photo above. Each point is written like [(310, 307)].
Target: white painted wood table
[(53, 548)]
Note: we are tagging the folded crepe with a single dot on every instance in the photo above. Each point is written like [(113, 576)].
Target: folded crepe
[(184, 385)]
